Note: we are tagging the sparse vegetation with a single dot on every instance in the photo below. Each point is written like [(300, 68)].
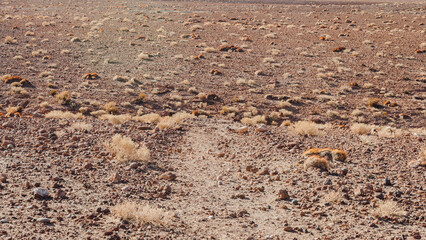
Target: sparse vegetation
[(388, 209), (317, 162), (140, 214), (124, 150), (306, 128), (63, 115)]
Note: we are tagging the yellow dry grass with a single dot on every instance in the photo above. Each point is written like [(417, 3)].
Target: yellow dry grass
[(140, 214), (124, 150)]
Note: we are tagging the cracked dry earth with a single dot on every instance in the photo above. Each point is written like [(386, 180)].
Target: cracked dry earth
[(221, 127)]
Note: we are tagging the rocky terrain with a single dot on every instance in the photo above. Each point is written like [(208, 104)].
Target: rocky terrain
[(197, 120)]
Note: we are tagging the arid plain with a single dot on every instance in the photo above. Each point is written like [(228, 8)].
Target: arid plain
[(212, 120)]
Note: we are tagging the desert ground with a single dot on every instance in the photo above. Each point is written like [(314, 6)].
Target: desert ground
[(212, 120)]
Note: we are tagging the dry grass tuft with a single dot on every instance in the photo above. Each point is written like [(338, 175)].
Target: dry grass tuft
[(116, 119), (306, 128), (333, 197), (124, 149), (111, 108), (389, 132), (339, 155), (388, 209), (148, 118), (361, 128), (63, 97), (140, 214), (317, 162), (254, 120), (10, 40), (80, 126), (373, 102), (173, 121), (63, 115)]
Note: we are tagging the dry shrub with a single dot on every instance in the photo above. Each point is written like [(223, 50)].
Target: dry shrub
[(306, 128), (389, 132), (44, 104), (98, 113), (254, 120), (63, 97), (173, 121), (333, 197), (116, 119), (39, 53), (80, 126), (361, 128), (339, 155), (388, 209), (226, 110), (63, 115), (148, 118), (317, 162), (373, 102), (421, 161), (13, 110), (140, 214), (10, 40), (124, 149), (111, 108)]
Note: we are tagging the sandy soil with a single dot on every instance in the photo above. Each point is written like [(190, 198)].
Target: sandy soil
[(232, 166)]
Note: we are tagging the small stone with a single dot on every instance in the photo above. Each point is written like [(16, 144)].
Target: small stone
[(7, 125), (387, 182), (295, 202), (88, 166), (3, 178), (27, 185), (125, 188), (289, 229), (115, 178), (242, 130), (283, 195), (4, 220), (240, 196), (416, 235), (60, 194), (168, 176), (263, 171), (373, 225), (75, 39), (40, 193), (262, 128), (327, 182), (134, 165), (43, 220), (344, 171)]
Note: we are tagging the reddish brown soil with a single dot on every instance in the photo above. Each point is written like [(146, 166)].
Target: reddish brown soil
[(227, 183)]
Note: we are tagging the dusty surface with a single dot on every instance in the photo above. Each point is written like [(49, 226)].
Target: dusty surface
[(227, 183)]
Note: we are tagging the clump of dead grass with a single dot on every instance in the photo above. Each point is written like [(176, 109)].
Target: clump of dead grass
[(140, 214), (254, 120), (306, 128), (124, 149), (63, 115), (10, 40), (116, 119), (63, 97), (148, 118), (111, 108), (80, 126), (388, 209), (173, 121), (317, 162), (361, 128)]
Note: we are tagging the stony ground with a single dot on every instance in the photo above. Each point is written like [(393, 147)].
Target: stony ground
[(232, 166)]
